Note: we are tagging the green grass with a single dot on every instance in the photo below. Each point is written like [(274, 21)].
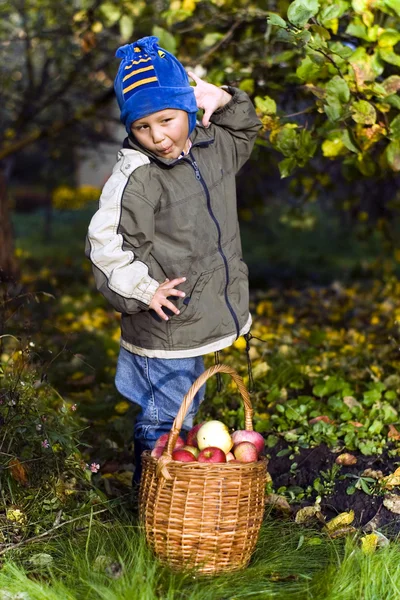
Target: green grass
[(110, 561)]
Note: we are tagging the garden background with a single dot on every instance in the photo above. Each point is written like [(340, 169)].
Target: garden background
[(319, 210)]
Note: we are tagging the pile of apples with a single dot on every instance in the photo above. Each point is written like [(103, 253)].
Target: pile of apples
[(211, 442)]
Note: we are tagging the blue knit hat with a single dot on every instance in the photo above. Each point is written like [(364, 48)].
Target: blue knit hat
[(150, 79)]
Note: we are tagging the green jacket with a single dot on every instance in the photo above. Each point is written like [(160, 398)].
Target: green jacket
[(160, 218)]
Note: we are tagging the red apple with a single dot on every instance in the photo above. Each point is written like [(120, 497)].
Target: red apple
[(245, 452), (245, 435), (183, 455), (229, 457), (163, 439), (212, 454), (192, 449), (157, 451), (191, 439)]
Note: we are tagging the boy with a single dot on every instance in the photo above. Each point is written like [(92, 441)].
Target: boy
[(165, 242)]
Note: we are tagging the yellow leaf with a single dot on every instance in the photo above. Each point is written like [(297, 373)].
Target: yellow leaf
[(340, 521), (369, 543), (309, 512), (260, 370), (390, 481), (240, 343), (278, 502), (16, 515), (122, 407)]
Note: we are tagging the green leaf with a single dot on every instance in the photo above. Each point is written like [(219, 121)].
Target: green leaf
[(166, 39), (347, 141), (364, 487), (111, 12), (331, 11), (389, 56), (308, 70), (393, 5), (276, 20), (286, 166), (395, 128), (300, 11), (210, 39), (389, 38), (126, 27), (393, 100), (393, 155), (338, 89), (332, 148), (247, 85), (286, 141), (321, 31), (357, 29), (363, 112), (267, 105)]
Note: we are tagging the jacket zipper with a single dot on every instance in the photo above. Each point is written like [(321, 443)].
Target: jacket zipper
[(207, 193)]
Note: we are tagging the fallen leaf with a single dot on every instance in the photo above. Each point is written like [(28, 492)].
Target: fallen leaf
[(41, 560), (260, 370), (393, 433), (323, 418), (356, 424), (369, 543), (309, 512), (346, 459), (371, 473), (18, 472), (278, 502), (345, 518), (342, 532), (351, 402), (390, 481), (392, 503)]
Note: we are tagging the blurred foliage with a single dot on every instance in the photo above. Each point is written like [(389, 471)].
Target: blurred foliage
[(68, 198)]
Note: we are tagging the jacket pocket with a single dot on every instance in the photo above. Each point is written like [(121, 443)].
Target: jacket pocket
[(191, 301)]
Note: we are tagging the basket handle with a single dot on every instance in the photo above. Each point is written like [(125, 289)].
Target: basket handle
[(166, 456)]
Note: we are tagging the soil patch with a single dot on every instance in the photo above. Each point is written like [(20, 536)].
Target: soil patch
[(370, 513)]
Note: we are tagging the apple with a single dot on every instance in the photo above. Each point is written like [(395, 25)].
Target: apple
[(157, 451), (245, 452), (163, 439), (229, 457), (183, 455), (192, 449), (212, 454), (215, 434), (245, 435), (191, 438)]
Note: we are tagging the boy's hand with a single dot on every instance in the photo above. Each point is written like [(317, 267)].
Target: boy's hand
[(209, 97), (160, 297)]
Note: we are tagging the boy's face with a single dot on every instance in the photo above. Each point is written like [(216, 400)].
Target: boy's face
[(165, 132)]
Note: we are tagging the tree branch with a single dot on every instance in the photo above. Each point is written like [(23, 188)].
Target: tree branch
[(56, 127)]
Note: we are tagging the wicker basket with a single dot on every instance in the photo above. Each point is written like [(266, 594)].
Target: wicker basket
[(202, 516)]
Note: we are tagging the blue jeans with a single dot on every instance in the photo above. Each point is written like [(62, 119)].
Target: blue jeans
[(158, 386)]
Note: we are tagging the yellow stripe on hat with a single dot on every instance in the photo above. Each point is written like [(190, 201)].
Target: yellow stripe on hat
[(142, 70), (138, 83), (136, 62)]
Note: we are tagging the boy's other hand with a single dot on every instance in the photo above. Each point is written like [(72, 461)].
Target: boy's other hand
[(209, 97), (160, 297)]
